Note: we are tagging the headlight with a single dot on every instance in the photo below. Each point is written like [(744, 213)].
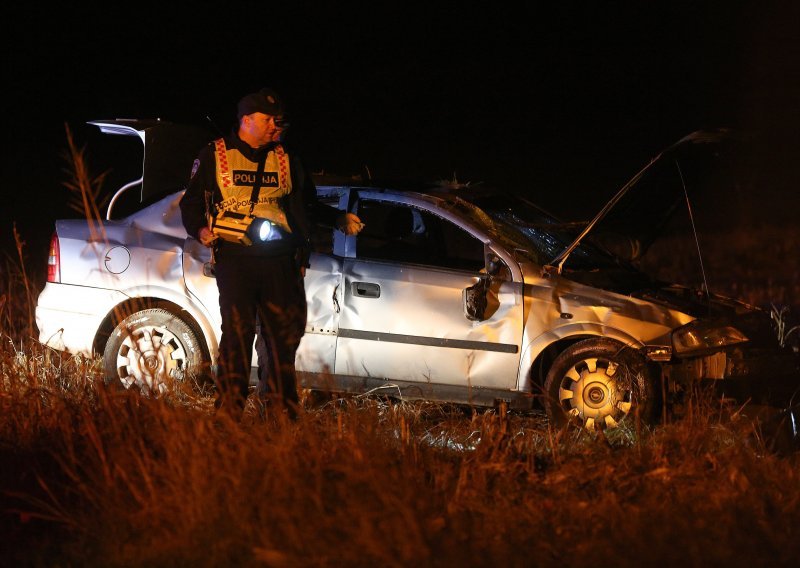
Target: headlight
[(703, 336)]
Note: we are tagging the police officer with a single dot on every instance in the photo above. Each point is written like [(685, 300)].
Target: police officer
[(252, 200)]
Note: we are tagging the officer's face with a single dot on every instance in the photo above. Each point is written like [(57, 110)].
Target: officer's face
[(264, 128)]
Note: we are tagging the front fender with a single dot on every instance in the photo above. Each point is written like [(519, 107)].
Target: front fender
[(576, 330)]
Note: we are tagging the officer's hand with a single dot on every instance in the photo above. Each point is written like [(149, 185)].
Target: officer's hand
[(349, 224), (206, 237)]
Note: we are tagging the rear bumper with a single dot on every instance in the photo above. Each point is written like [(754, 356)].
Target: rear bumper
[(68, 317)]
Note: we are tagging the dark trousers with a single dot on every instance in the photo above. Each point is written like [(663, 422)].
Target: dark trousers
[(263, 294)]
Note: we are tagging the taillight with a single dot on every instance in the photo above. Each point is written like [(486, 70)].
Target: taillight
[(54, 261)]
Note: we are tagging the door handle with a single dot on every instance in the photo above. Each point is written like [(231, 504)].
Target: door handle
[(365, 290)]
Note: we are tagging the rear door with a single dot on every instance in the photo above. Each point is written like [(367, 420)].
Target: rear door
[(403, 314)]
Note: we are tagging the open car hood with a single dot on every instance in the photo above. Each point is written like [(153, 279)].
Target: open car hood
[(636, 216), (169, 151)]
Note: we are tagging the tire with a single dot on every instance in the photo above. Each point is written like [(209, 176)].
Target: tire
[(150, 350), (598, 384)]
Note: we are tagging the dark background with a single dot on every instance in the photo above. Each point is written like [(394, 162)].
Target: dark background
[(563, 104)]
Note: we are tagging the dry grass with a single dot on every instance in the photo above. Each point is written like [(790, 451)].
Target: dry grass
[(92, 477)]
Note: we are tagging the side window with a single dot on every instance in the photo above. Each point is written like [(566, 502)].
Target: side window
[(399, 233)]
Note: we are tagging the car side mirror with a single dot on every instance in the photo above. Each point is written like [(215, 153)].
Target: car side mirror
[(493, 265)]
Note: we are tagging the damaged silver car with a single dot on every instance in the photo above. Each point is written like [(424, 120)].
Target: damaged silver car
[(458, 294)]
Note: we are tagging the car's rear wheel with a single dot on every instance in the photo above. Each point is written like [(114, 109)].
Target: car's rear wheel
[(598, 384), (152, 349)]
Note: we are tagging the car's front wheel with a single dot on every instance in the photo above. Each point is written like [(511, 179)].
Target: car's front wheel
[(152, 349), (599, 383)]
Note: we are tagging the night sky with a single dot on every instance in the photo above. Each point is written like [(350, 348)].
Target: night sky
[(562, 104)]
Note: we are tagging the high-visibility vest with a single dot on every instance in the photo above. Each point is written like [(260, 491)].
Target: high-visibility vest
[(236, 176)]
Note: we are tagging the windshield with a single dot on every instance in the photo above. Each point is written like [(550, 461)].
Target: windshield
[(526, 226)]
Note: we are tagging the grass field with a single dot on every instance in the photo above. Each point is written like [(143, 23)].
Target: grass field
[(92, 477)]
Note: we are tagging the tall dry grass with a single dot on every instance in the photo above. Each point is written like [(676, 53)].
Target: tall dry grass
[(98, 477)]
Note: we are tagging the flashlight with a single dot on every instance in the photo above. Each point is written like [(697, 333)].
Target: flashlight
[(265, 230)]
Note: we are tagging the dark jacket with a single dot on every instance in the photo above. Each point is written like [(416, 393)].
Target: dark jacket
[(303, 210)]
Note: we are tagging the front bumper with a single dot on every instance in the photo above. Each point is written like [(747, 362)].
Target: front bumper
[(769, 376)]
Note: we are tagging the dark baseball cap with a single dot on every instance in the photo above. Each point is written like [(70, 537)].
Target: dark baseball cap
[(265, 100)]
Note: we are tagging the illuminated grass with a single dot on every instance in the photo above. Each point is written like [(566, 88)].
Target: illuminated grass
[(111, 478)]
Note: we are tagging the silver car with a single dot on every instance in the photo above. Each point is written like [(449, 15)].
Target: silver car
[(458, 294)]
